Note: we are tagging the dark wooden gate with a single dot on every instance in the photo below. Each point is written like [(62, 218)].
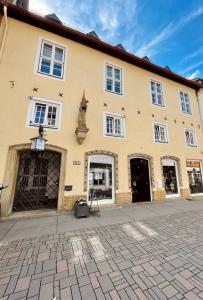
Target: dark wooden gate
[(37, 181)]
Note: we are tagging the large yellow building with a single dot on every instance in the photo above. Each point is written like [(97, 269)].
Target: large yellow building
[(138, 138)]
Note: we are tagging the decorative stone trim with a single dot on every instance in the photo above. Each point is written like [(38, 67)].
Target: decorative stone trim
[(10, 176), (177, 160), (151, 167), (102, 152)]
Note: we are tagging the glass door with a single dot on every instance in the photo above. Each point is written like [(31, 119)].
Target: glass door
[(170, 178), (101, 179)]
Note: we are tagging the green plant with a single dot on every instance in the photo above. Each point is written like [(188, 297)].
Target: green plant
[(81, 202)]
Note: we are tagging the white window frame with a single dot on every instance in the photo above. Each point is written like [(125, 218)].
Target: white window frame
[(156, 94), (106, 64), (39, 59), (194, 137), (189, 102), (166, 141), (32, 109), (114, 116)]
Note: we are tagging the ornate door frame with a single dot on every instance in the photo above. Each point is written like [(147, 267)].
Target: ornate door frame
[(10, 177)]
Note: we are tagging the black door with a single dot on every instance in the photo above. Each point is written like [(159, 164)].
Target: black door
[(37, 181), (140, 182)]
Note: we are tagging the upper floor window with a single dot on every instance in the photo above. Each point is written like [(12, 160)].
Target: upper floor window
[(114, 125), (160, 133), (113, 79), (190, 137), (185, 103), (156, 93), (51, 60), (42, 112)]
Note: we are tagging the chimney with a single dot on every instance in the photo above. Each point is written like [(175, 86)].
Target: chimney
[(23, 3)]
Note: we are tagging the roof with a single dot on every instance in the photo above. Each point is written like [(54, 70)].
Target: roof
[(47, 24)]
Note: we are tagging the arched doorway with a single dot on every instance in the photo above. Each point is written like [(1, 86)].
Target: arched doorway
[(37, 184), (170, 177), (140, 179)]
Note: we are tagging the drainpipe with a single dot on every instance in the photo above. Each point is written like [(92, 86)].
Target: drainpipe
[(4, 33)]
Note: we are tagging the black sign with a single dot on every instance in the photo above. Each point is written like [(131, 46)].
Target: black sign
[(68, 188)]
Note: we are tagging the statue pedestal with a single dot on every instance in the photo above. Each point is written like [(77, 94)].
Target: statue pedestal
[(81, 134)]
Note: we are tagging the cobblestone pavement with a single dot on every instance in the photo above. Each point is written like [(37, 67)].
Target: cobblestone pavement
[(154, 258)]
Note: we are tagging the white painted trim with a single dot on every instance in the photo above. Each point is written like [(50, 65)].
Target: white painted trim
[(104, 201), (167, 133), (191, 146), (33, 101), (163, 93), (122, 117), (186, 113), (37, 58), (105, 63), (177, 179)]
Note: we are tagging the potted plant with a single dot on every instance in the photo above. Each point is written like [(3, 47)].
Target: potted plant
[(81, 208)]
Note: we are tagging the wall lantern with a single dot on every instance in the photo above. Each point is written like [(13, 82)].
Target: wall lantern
[(38, 143)]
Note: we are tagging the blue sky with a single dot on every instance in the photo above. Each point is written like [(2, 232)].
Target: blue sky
[(169, 32)]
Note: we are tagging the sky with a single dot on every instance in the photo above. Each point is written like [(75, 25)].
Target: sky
[(169, 32)]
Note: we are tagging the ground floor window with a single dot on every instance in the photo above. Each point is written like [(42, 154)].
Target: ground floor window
[(101, 178), (194, 176), (170, 176)]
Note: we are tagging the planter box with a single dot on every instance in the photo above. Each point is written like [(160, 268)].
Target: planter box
[(81, 211)]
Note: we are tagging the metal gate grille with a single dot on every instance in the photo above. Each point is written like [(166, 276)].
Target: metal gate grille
[(37, 181)]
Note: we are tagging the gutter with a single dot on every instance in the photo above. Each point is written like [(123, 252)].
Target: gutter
[(4, 32)]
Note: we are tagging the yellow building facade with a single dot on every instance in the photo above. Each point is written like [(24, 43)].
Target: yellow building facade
[(141, 125)]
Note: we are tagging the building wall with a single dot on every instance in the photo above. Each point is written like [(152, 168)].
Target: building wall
[(85, 71)]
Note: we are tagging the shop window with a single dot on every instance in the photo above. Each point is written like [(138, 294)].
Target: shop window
[(170, 176), (194, 176)]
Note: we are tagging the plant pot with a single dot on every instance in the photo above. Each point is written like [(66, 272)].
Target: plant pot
[(81, 211)]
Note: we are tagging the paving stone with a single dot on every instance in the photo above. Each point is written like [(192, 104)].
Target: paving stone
[(191, 296), (84, 280), (99, 294), (170, 291), (75, 292), (91, 267), (46, 291), (87, 292), (34, 287), (65, 294), (104, 267), (23, 284), (105, 283), (69, 281)]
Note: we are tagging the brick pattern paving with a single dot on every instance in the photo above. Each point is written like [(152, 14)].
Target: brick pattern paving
[(159, 258)]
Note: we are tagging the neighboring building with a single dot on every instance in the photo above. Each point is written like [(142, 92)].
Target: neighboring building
[(139, 138)]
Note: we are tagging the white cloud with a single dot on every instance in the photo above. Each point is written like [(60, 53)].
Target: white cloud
[(40, 6), (150, 48), (194, 74), (191, 67)]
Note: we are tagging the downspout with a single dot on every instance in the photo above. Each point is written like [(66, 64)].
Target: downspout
[(4, 33)]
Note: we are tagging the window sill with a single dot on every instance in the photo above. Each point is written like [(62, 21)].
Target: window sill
[(49, 75), (120, 94), (114, 136), (161, 105), (161, 142)]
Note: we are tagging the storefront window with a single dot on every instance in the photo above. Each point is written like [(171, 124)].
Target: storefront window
[(194, 176), (101, 178)]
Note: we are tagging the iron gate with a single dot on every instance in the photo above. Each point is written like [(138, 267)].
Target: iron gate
[(37, 181)]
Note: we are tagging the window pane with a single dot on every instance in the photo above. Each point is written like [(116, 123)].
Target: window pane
[(47, 50), (152, 85), (118, 126), (158, 88), (109, 124), (58, 54), (156, 132), (57, 70), (45, 66), (159, 97), (109, 85), (51, 116), (117, 74), (39, 113), (153, 98), (117, 87), (109, 71)]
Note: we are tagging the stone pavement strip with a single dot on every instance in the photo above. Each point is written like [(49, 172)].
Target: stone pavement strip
[(155, 258)]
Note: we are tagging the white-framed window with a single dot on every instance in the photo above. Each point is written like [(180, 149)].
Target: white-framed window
[(113, 79), (185, 103), (156, 93), (190, 137), (113, 125), (160, 133), (44, 112), (51, 59)]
